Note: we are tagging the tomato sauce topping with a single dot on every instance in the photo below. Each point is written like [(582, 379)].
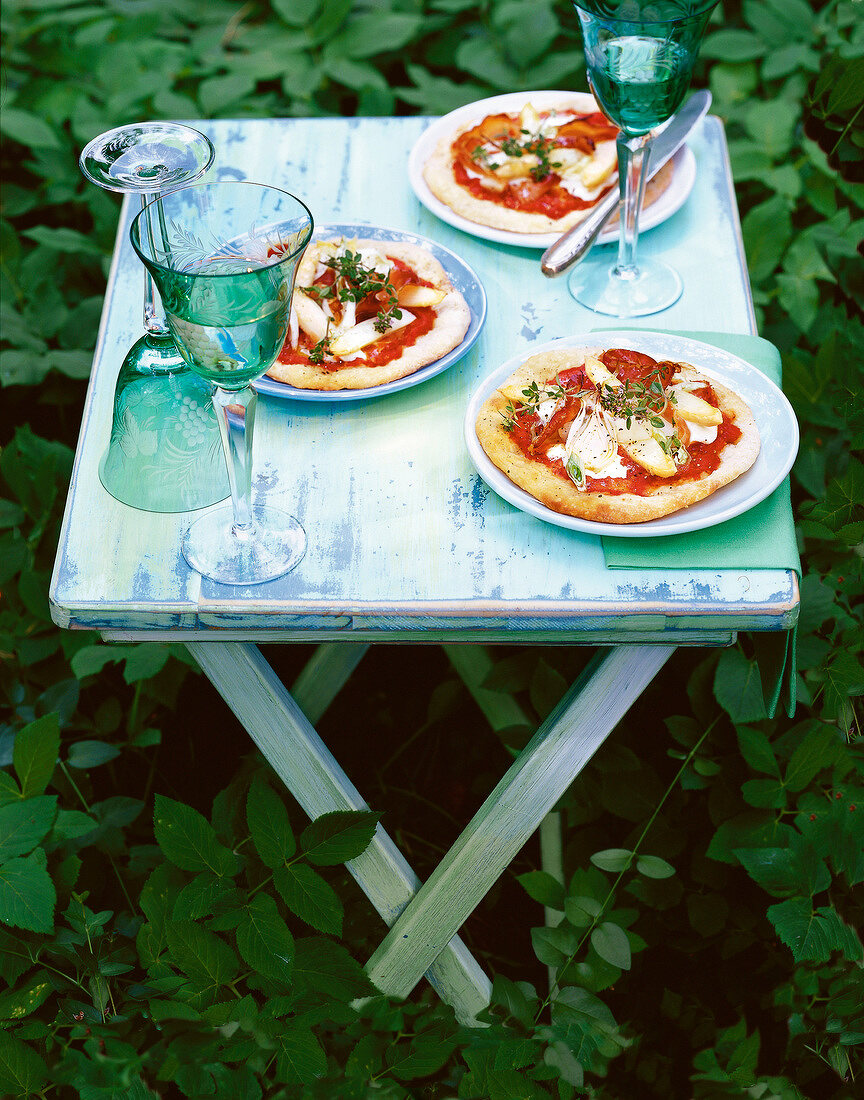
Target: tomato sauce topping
[(533, 438), (390, 345), (531, 196)]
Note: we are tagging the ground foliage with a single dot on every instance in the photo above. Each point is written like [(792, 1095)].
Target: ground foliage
[(163, 940)]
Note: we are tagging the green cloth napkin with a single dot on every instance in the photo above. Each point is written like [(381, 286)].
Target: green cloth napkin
[(762, 538)]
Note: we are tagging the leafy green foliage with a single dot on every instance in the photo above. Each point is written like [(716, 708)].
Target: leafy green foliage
[(713, 855)]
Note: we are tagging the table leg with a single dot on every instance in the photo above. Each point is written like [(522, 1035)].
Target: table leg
[(324, 675), (305, 765), (556, 754)]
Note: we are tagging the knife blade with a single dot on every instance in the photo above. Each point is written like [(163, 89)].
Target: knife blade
[(575, 243)]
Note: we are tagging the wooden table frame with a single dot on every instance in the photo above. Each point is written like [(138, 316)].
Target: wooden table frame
[(119, 572)]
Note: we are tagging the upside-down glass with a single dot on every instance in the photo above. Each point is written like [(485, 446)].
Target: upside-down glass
[(164, 453), (223, 257), (640, 55)]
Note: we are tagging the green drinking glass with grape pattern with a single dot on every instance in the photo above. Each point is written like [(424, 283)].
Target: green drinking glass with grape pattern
[(223, 257)]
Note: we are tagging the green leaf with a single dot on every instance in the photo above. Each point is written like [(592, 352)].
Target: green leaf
[(554, 946), (783, 872), (23, 1072), (90, 754), (812, 934), (264, 939), (310, 897), (70, 824), (757, 751), (27, 895), (35, 754), (764, 793), (220, 92), (377, 32), (322, 966), (547, 688), (581, 911), (767, 230), (733, 45), (24, 824), (28, 129), (189, 840), (817, 752), (202, 956), (425, 1056), (610, 942), (738, 687), (654, 867), (338, 836), (300, 1059), (296, 13), (612, 859), (559, 1055), (513, 998), (772, 125), (269, 825), (61, 239), (199, 898), (543, 887), (18, 1003)]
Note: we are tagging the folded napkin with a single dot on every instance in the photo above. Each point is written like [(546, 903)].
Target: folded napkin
[(762, 538)]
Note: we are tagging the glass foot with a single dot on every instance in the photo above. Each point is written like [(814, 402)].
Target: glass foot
[(165, 454), (274, 546), (654, 286)]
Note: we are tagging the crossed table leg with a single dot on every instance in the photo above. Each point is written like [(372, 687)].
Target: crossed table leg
[(424, 919)]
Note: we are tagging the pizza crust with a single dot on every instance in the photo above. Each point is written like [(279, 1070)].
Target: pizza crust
[(439, 177), (561, 495), (451, 323)]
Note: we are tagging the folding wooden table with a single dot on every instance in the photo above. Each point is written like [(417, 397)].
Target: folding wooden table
[(406, 542)]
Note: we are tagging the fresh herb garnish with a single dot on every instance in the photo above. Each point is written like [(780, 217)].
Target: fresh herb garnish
[(358, 282), (528, 144), (533, 396)]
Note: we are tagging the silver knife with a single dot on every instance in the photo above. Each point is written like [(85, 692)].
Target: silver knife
[(573, 244)]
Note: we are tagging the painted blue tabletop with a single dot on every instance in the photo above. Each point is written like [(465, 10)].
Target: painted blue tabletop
[(406, 541)]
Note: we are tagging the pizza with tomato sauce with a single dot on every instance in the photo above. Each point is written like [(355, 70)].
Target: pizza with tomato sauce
[(616, 436), (534, 171), (366, 312)]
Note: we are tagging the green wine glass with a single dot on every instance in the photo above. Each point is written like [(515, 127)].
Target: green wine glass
[(223, 257), (164, 453), (640, 56)]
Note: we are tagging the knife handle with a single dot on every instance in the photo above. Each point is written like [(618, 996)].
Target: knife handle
[(572, 246)]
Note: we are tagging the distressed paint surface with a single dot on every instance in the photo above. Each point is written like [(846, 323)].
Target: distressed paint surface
[(403, 534)]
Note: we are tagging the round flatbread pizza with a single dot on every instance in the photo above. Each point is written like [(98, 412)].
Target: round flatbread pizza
[(615, 436), (367, 312), (531, 171)]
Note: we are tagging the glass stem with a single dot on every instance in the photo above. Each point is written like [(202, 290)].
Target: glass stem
[(633, 154), (154, 315), (235, 413)]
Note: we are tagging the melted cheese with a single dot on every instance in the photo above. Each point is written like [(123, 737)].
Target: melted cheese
[(701, 433), (593, 447)]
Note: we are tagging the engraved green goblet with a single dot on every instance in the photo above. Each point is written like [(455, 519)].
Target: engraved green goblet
[(164, 453), (223, 257)]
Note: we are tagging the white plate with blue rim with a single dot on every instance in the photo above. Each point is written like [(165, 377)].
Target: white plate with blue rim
[(460, 275), (775, 419)]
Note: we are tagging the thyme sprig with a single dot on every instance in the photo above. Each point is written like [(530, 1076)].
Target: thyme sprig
[(528, 144), (322, 348), (646, 400), (534, 396), (355, 281)]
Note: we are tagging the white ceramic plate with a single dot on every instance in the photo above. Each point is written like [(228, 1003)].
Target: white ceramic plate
[(671, 200), (460, 275), (778, 431)]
